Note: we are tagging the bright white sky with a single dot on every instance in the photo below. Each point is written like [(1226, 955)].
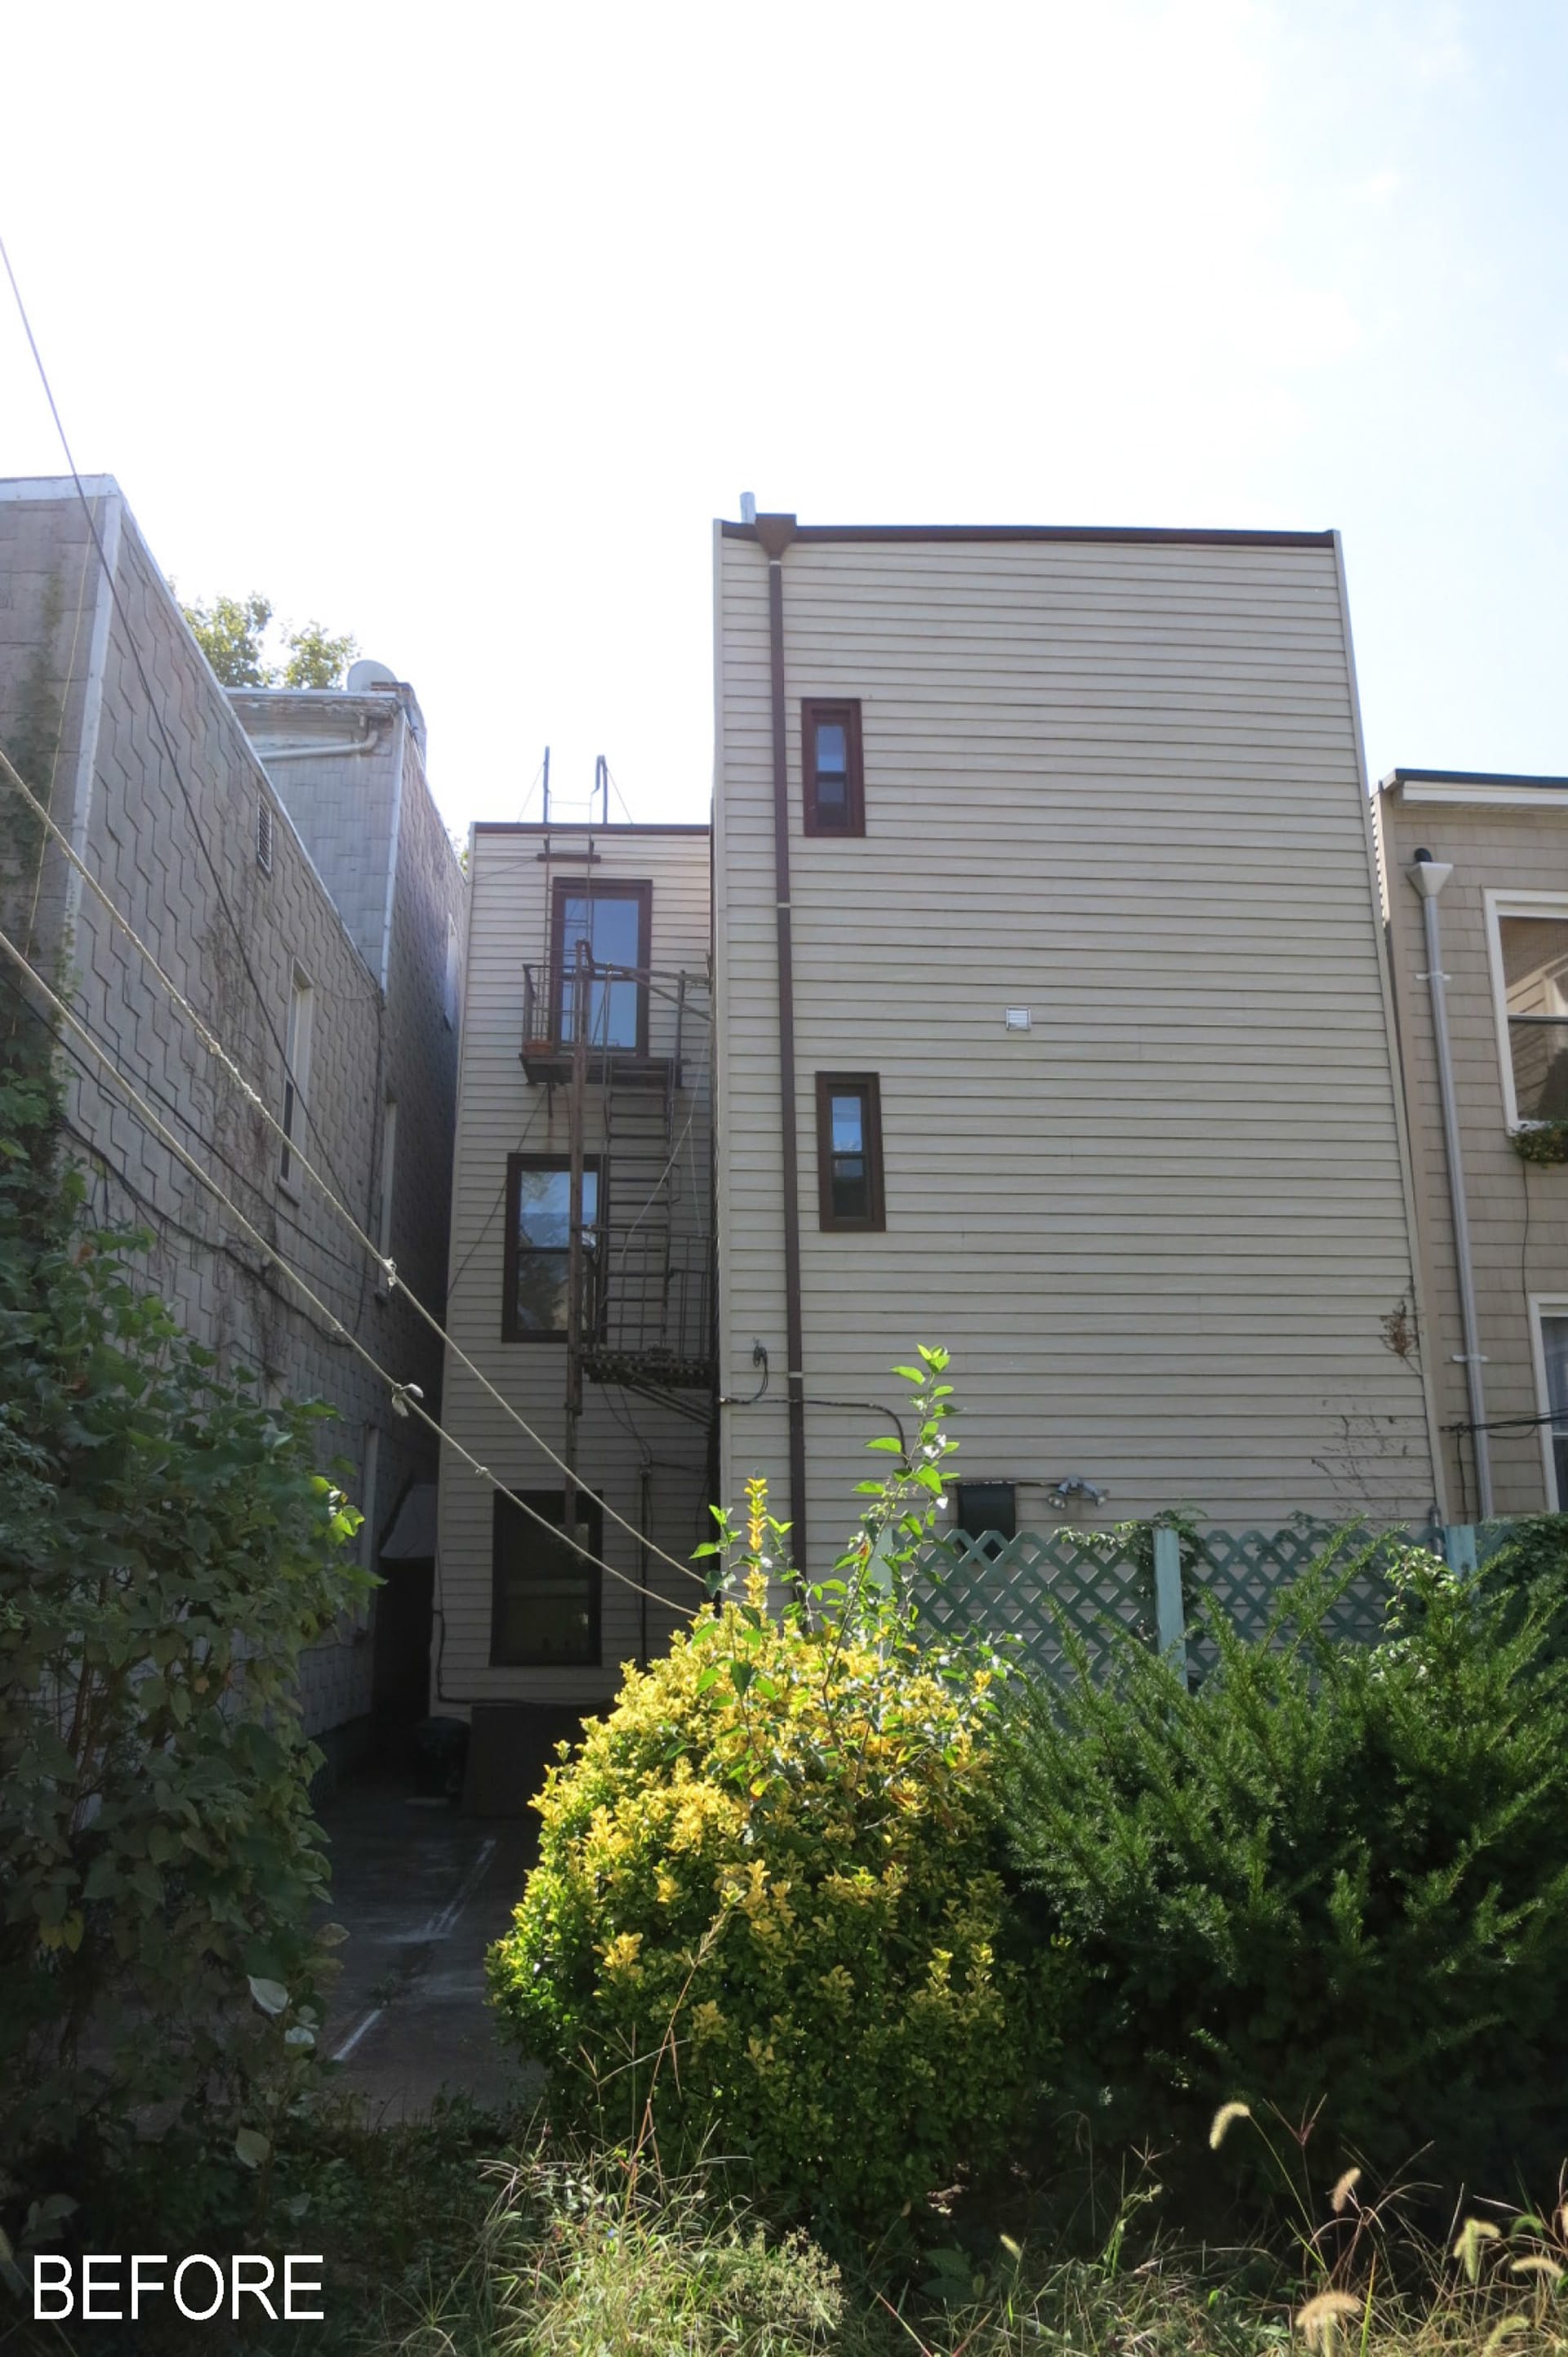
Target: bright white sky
[(455, 326)]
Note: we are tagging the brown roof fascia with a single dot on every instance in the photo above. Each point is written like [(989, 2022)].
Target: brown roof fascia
[(591, 826), (1156, 533)]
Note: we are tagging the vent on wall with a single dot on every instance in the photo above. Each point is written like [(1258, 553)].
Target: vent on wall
[(264, 836)]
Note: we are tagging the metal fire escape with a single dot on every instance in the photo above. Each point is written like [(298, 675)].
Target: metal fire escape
[(640, 1274)]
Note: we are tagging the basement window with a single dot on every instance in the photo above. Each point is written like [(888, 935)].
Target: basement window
[(544, 1594), (985, 1509), (832, 772), (849, 1150)]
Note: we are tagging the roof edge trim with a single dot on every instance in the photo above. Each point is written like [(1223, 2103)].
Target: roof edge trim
[(1158, 535)]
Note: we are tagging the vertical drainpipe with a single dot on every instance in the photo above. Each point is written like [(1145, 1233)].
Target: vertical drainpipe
[(776, 532), (1429, 875)]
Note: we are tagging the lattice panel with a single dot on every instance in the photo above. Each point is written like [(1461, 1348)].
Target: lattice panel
[(1030, 1588), (1241, 1573)]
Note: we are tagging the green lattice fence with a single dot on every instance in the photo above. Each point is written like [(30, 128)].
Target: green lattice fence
[(1032, 1586), (1035, 1585)]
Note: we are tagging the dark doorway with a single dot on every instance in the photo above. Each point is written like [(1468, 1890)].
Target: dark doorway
[(401, 1672)]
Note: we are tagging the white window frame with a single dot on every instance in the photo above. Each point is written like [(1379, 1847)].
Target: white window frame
[(1501, 904), (296, 1079), (1546, 1305)]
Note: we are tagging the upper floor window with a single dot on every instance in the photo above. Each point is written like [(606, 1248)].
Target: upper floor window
[(264, 835), (831, 769), (450, 988), (539, 1241), (296, 1079), (1529, 959), (849, 1150), (611, 922)]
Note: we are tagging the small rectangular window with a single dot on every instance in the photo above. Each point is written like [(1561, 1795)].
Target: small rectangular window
[(1534, 952), (544, 1595), (296, 1079), (985, 1507), (831, 775), (264, 835), (849, 1150), (538, 1242)]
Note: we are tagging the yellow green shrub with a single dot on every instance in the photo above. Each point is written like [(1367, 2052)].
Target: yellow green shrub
[(769, 1894)]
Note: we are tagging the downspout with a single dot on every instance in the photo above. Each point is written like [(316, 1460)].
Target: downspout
[(1429, 875), (776, 532)]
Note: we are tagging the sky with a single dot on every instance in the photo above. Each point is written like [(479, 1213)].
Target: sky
[(455, 327)]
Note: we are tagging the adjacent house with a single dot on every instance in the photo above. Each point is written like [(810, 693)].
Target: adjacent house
[(1475, 871), (580, 1295), (1052, 1025), (281, 857)]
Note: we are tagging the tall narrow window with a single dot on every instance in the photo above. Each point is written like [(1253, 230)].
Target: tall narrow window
[(1532, 950), (1552, 1326), (538, 1242), (849, 1150), (384, 1202), (544, 1594), (609, 923), (264, 835), (296, 1080), (830, 769), (449, 988)]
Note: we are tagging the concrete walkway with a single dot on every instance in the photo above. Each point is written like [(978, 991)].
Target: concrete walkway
[(422, 1891)]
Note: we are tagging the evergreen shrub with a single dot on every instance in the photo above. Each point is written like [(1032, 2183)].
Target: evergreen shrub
[(768, 1918), (1335, 1875)]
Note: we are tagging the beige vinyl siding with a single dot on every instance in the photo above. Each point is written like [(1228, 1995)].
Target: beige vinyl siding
[(1119, 785), (1518, 1217), (499, 1112)]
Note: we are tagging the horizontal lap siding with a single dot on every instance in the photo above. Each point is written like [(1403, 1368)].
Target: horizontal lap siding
[(1519, 1220), (1159, 1232), (499, 1112)]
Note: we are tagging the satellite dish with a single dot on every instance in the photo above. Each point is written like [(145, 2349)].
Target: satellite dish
[(364, 675)]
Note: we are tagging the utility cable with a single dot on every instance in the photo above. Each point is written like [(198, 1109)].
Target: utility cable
[(157, 716), (403, 1399), (215, 1047)]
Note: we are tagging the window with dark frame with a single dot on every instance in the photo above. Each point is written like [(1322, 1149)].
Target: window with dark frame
[(985, 1509), (832, 771), (849, 1150), (612, 921), (544, 1594), (538, 1240)]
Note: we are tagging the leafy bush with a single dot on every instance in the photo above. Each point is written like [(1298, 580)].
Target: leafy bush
[(769, 1899), (166, 1547), (1334, 1872)]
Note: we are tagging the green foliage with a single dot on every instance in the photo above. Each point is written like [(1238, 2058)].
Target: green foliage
[(1544, 1143), (769, 1912), (1335, 1874), (166, 1548), (231, 633), (317, 659), (1529, 1575)]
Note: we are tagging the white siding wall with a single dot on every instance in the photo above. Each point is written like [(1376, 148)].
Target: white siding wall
[(500, 1113), (1117, 783)]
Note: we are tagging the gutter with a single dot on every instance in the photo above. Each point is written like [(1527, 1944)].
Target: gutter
[(1429, 875), (775, 532)]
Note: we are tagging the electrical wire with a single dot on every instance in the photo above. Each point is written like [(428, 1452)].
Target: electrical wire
[(404, 1401), (157, 720), (215, 1047)]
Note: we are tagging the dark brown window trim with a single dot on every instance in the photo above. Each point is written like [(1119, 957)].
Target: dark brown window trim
[(516, 1163), (1155, 534), (592, 1515), (867, 1086), (832, 707), (601, 888)]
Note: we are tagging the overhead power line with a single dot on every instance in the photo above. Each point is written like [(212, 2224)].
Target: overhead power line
[(215, 1047), (403, 1399)]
